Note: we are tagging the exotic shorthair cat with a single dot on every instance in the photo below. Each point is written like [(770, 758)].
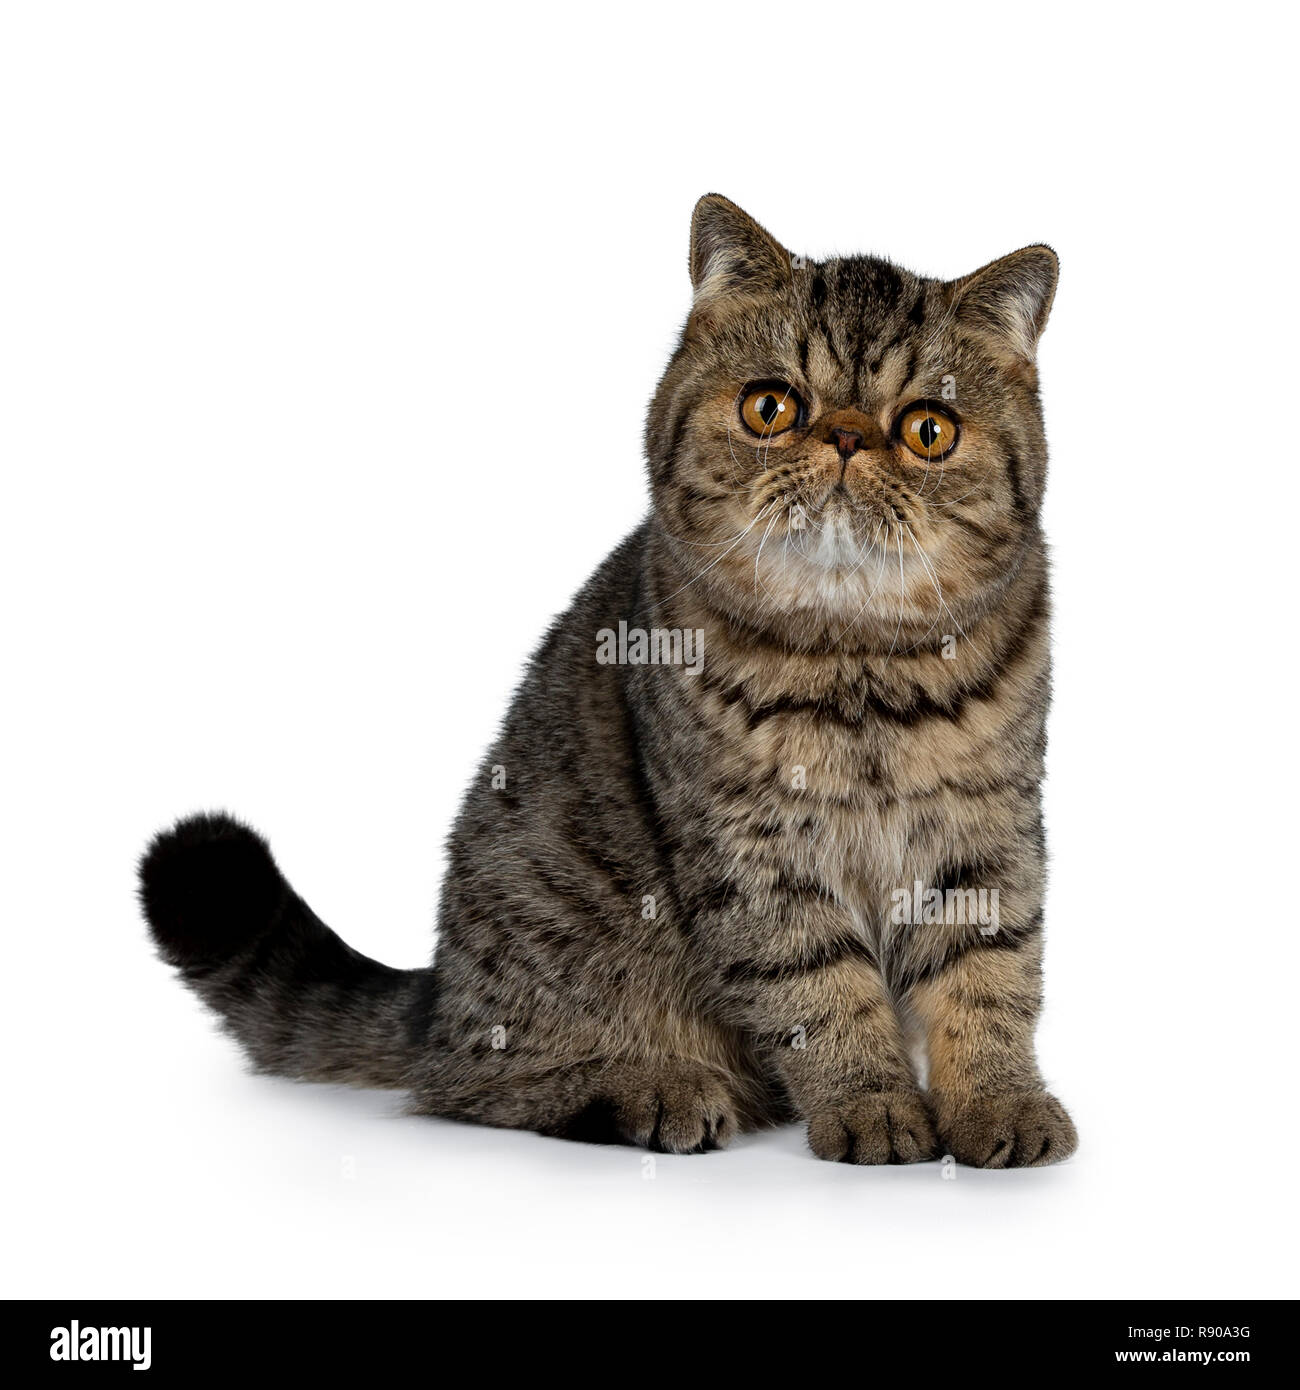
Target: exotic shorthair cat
[(760, 838)]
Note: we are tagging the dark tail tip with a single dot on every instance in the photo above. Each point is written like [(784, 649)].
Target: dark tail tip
[(208, 887)]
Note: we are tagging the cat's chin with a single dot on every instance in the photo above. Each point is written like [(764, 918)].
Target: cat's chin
[(838, 547), (834, 571), (836, 544)]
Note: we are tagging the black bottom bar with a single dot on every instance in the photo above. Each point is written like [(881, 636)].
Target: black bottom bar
[(87, 1339)]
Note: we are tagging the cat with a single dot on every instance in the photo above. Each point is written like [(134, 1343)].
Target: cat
[(687, 899)]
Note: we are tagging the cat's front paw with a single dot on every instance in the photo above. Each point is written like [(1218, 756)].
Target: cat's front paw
[(874, 1127), (1013, 1130)]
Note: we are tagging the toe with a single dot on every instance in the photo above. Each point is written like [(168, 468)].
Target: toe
[(873, 1128), (1007, 1131)]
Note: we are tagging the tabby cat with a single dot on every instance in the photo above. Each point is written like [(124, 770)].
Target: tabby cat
[(760, 837)]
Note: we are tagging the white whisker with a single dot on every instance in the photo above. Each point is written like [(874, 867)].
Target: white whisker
[(902, 593), (757, 518)]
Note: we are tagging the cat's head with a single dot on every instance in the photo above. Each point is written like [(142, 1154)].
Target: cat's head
[(842, 450)]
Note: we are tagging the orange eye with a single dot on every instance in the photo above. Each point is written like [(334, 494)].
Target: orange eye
[(929, 433), (771, 408)]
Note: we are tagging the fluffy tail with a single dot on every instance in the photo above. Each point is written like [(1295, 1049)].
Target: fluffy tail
[(300, 1002)]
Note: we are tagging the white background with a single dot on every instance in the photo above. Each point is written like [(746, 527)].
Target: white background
[(327, 334)]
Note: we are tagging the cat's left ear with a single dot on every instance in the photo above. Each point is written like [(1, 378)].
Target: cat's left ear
[(1010, 298), (732, 257)]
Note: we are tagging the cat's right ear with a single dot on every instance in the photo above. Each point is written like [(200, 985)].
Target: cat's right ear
[(732, 258), (1010, 298)]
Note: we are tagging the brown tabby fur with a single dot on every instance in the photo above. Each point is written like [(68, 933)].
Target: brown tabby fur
[(667, 914)]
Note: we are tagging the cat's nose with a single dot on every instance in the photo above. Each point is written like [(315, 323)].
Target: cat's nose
[(848, 442)]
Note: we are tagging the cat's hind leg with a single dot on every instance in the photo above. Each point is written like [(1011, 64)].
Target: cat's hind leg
[(666, 1105)]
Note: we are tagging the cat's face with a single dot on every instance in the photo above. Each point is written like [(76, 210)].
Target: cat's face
[(843, 451)]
